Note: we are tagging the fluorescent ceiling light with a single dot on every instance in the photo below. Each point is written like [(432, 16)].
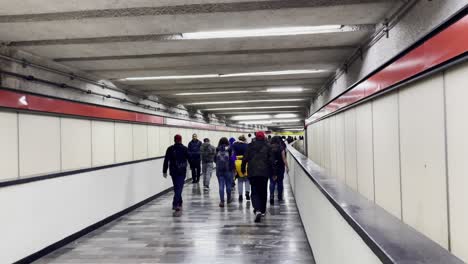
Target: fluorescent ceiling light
[(270, 73), (172, 77), (252, 107), (262, 32), (259, 122), (285, 115), (250, 117), (286, 120), (262, 122), (285, 89), (247, 101), (217, 75), (259, 112), (209, 93), (294, 129)]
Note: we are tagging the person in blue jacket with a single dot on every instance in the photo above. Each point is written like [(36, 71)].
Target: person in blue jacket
[(176, 160), (238, 151), (195, 158), (224, 170)]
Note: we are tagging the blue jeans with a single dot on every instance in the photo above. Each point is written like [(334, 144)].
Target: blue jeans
[(240, 185), (224, 180), (279, 183), (178, 182)]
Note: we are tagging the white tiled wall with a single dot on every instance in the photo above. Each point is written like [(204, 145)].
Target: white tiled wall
[(123, 142), (48, 144), (387, 154), (456, 93), (422, 141), (140, 142), (364, 151), (9, 146), (39, 144), (410, 150), (340, 148), (350, 149), (103, 143), (75, 144), (153, 141)]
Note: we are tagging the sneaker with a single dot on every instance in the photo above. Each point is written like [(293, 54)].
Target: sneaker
[(258, 217), (229, 200), (247, 196), (177, 212), (206, 187), (263, 214), (241, 198), (221, 204), (272, 202)]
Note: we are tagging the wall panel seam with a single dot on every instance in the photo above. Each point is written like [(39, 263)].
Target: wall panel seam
[(92, 146), (444, 88), (355, 150), (18, 174), (373, 148), (60, 143), (399, 155)]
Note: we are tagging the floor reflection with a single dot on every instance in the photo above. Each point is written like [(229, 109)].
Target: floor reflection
[(205, 233)]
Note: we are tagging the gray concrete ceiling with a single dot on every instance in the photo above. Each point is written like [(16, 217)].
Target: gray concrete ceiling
[(116, 39)]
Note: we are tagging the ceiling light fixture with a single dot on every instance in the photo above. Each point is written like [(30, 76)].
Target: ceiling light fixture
[(285, 115), (270, 121), (262, 32), (247, 101), (209, 93), (250, 117), (259, 112), (285, 90), (286, 120), (252, 107), (227, 75), (171, 77), (294, 129), (271, 73), (258, 122)]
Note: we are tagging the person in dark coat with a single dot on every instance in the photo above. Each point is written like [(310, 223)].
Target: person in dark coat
[(281, 164), (195, 158), (261, 166), (224, 170), (176, 161)]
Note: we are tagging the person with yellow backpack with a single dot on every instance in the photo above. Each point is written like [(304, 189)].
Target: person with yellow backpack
[(239, 148)]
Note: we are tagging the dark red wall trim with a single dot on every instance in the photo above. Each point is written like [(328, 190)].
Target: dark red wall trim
[(444, 46), (29, 102)]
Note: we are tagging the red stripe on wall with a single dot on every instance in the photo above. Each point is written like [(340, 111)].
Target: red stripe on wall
[(444, 46), (24, 101)]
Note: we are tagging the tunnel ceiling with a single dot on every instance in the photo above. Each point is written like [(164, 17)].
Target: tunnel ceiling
[(146, 38)]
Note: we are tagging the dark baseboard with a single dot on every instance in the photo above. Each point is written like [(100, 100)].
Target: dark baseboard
[(45, 251)]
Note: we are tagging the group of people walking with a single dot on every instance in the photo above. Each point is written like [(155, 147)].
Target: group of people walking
[(252, 165)]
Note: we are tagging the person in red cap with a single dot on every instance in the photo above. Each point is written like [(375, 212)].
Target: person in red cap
[(260, 161), (176, 160)]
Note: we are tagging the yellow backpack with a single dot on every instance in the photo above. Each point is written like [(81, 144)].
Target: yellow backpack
[(238, 164)]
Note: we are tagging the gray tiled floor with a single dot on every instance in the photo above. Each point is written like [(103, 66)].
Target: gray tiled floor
[(204, 234)]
